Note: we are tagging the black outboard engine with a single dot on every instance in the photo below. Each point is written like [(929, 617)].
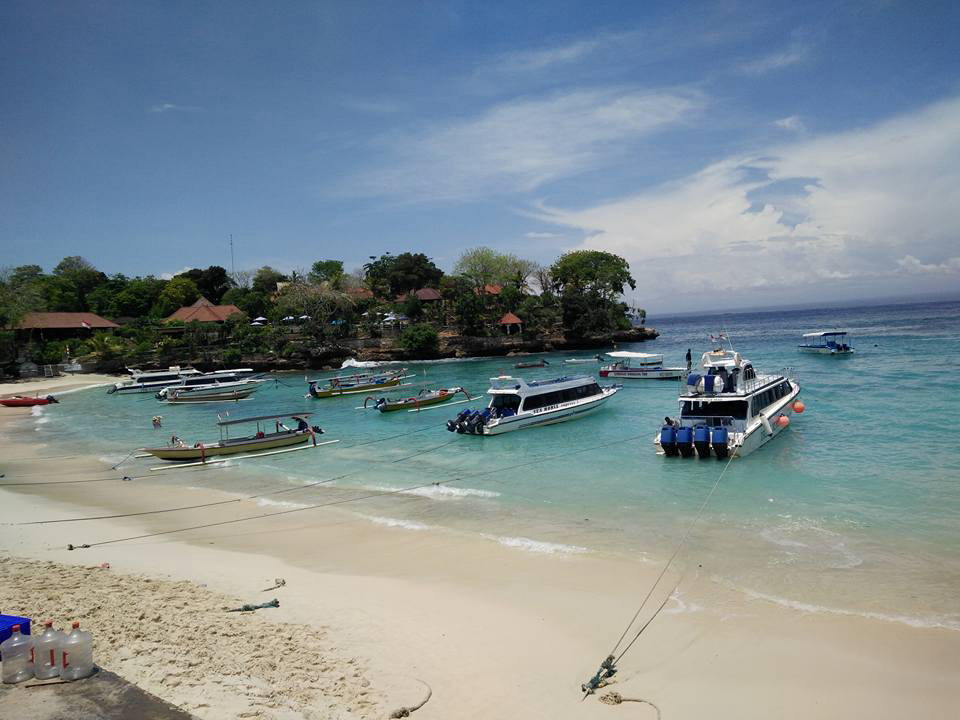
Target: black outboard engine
[(52, 399), (475, 423), (380, 403), (458, 420)]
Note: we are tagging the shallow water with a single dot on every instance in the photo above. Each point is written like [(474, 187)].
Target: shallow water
[(856, 508)]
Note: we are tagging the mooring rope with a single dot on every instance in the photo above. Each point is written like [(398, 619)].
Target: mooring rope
[(344, 501), (609, 665)]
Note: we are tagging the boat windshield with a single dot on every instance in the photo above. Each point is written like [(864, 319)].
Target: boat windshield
[(501, 401), (737, 409)]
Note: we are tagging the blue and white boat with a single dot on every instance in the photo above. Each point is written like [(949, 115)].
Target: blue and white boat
[(827, 342), (640, 366), (516, 404), (728, 409)]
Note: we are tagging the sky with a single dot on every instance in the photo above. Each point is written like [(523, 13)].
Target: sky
[(736, 154)]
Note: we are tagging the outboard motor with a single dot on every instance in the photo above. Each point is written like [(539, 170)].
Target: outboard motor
[(52, 399), (455, 423), (701, 440), (111, 390), (476, 422), (720, 437), (685, 441), (379, 403), (668, 440)]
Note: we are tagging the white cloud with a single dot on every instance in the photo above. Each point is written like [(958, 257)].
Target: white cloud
[(795, 53), (792, 123), (548, 58), (521, 145), (541, 235), (171, 107), (865, 204)]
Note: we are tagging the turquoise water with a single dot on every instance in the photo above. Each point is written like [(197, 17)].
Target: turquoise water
[(855, 508)]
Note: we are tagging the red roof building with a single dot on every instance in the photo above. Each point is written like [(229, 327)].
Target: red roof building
[(509, 320), (428, 295), (489, 290), (64, 321), (359, 293), (206, 312)]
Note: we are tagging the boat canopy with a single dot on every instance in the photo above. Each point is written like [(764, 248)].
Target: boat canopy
[(260, 418), (635, 355), (825, 333)]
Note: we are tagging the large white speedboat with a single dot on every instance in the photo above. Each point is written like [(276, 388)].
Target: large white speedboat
[(204, 385), (517, 403), (728, 409), (154, 380), (641, 366), (827, 342)]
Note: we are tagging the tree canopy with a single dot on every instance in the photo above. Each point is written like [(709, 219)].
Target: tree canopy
[(593, 271), (485, 266), (393, 275)]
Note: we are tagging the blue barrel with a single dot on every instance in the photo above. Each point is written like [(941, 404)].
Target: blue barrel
[(693, 379), (720, 437)]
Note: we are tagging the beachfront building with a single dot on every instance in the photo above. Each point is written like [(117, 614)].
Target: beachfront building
[(204, 311), (45, 326), (510, 323)]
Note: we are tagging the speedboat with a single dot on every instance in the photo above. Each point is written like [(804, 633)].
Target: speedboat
[(357, 383), (154, 380), (424, 398), (728, 409), (582, 361), (531, 364), (640, 366), (265, 438), (227, 392), (26, 401), (827, 342), (517, 404), (211, 384)]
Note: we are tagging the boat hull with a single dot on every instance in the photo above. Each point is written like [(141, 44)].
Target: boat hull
[(228, 396), (416, 403), (819, 350), (230, 447), (638, 374), (23, 401), (352, 390), (550, 417)]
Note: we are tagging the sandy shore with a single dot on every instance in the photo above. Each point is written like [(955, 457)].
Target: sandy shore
[(369, 610), (54, 385)]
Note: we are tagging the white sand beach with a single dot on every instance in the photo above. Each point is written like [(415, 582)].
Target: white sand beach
[(370, 612)]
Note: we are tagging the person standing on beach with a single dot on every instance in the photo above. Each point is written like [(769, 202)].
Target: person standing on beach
[(689, 360)]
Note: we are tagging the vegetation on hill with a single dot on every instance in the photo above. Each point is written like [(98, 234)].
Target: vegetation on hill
[(579, 296)]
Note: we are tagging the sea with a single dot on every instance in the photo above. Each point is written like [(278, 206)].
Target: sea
[(854, 509)]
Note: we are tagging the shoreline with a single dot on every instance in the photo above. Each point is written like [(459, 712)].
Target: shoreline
[(491, 628)]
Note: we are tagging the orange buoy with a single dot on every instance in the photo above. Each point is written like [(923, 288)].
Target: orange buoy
[(799, 407), (783, 421)]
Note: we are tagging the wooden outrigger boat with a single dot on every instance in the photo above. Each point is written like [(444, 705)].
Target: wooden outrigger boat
[(538, 364), (424, 398), (266, 438), (353, 384), (182, 396), (24, 401)]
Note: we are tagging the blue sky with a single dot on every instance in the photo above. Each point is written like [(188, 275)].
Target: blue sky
[(734, 153)]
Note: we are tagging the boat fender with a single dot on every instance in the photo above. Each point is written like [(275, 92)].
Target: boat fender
[(768, 428)]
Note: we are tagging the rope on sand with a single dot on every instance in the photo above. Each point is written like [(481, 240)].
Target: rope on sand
[(405, 711), (615, 698)]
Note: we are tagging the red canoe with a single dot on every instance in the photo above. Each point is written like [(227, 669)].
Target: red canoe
[(21, 401)]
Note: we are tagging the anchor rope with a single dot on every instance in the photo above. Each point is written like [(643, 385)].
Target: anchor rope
[(608, 666)]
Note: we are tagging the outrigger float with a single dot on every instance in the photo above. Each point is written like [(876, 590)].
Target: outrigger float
[(265, 439), (357, 383), (424, 398)]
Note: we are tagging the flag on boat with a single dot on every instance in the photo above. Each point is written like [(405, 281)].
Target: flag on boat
[(715, 338)]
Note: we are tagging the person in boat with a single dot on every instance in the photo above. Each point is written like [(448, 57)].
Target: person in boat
[(668, 421), (302, 425), (689, 360)]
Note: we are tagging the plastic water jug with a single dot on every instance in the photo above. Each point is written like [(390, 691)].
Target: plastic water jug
[(46, 652), (76, 654), (17, 652)]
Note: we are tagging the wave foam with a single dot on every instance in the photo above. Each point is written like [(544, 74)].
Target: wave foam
[(945, 623), (538, 546), (437, 492), (395, 522), (266, 502)]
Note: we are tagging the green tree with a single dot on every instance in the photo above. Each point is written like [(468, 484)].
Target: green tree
[(394, 275), (266, 279), (103, 298), (212, 282), (81, 276), (176, 293), (594, 271), (420, 339), (460, 295), (330, 271), (484, 266)]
